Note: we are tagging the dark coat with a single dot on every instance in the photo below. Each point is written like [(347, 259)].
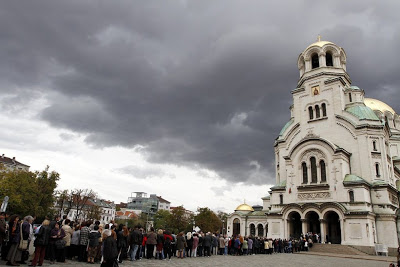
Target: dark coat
[(110, 250), (207, 241), (2, 230), (94, 238), (135, 238), (180, 242), (122, 241), (42, 238)]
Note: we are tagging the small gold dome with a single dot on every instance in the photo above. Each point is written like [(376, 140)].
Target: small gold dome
[(375, 104), (244, 207)]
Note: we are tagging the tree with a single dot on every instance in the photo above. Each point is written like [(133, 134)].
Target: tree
[(207, 220), (179, 219), (78, 200), (30, 193), (161, 219)]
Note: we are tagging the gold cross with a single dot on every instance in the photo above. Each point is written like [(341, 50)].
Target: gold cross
[(319, 38)]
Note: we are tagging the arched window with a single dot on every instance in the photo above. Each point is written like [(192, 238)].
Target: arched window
[(260, 230), (315, 61), (317, 113), (252, 230), (313, 170), (323, 170), (329, 59), (351, 196), (378, 174), (323, 109), (374, 145), (305, 174), (281, 199), (350, 98), (311, 113)]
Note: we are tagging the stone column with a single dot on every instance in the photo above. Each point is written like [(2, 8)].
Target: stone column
[(304, 226), (308, 64), (322, 59), (322, 226)]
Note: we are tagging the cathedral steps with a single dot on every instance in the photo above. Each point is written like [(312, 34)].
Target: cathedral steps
[(335, 249)]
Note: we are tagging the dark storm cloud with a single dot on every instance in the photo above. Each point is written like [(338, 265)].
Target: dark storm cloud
[(197, 83)]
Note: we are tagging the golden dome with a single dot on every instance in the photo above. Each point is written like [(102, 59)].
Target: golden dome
[(244, 207), (375, 104)]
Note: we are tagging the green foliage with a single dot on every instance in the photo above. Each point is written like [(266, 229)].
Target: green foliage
[(207, 220), (179, 220), (31, 193), (161, 219)]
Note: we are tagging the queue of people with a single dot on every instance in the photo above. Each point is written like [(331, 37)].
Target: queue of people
[(92, 242)]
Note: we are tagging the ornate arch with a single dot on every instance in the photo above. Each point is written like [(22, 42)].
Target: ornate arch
[(332, 49), (311, 51), (341, 210), (301, 62), (328, 145)]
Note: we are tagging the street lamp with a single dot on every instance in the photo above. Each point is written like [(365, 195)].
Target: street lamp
[(222, 230), (193, 224)]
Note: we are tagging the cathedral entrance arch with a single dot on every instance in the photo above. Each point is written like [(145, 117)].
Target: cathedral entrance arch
[(333, 231), (294, 224), (236, 227), (313, 223)]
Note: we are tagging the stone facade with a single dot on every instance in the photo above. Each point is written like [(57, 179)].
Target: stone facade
[(337, 161)]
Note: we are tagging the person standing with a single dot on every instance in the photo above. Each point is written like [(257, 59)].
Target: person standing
[(14, 238), (3, 229), (160, 245), (221, 243), (189, 244), (180, 244), (150, 243), (67, 238), (40, 243), (207, 242), (110, 250), (195, 244), (168, 244), (134, 242), (94, 236), (122, 242)]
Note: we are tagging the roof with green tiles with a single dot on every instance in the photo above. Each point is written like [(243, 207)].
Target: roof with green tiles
[(362, 112), (281, 185), (286, 126), (354, 179)]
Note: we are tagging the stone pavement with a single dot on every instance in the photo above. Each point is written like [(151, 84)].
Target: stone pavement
[(302, 259)]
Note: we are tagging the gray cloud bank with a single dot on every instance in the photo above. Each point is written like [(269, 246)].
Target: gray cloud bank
[(200, 83)]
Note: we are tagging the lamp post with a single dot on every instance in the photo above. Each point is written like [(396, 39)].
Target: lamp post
[(222, 230), (193, 224)]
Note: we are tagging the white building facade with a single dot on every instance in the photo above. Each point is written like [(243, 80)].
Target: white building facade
[(337, 161)]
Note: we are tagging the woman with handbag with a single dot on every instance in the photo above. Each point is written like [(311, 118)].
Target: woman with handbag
[(14, 237), (57, 243)]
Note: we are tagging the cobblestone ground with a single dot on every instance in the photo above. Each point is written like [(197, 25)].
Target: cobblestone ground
[(247, 261)]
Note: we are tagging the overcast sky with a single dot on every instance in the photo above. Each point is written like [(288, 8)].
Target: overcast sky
[(183, 99)]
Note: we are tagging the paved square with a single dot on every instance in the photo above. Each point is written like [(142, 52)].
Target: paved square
[(254, 260)]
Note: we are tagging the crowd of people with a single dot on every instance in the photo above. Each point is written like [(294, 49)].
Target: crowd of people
[(92, 242)]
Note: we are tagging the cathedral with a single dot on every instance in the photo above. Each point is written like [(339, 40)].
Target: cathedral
[(337, 162)]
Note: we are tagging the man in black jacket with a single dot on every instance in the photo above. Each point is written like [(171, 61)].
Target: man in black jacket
[(135, 241), (207, 241)]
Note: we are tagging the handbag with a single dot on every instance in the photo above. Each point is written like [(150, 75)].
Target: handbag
[(23, 244), (60, 243)]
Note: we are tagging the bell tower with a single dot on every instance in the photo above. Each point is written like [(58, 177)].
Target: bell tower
[(322, 58)]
